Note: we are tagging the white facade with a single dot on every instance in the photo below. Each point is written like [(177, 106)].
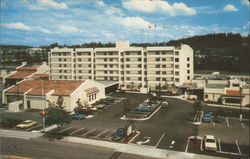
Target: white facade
[(136, 68)]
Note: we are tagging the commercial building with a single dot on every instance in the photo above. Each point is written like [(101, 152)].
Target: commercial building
[(135, 68), (39, 94)]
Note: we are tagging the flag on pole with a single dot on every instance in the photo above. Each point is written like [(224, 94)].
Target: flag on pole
[(149, 27)]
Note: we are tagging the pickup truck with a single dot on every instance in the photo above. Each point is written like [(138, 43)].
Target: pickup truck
[(78, 116), (119, 134)]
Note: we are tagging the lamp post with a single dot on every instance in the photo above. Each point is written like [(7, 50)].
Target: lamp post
[(43, 95)]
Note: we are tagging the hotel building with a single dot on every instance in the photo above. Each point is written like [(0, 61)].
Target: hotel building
[(135, 68)]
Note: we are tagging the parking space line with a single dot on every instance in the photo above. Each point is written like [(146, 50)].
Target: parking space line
[(160, 140), (238, 146), (213, 123), (227, 121), (219, 144), (65, 129), (88, 132), (100, 133), (243, 126), (34, 127), (76, 131)]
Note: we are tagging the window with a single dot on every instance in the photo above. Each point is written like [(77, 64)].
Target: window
[(128, 78), (145, 60), (176, 66), (127, 59), (188, 77), (80, 71), (111, 72), (188, 71), (60, 59), (105, 59), (176, 52), (89, 59), (79, 59), (89, 71), (105, 72), (127, 72), (65, 65), (157, 59), (80, 77), (176, 59), (188, 65), (89, 65), (139, 65), (163, 66), (65, 77), (163, 59), (188, 59), (105, 66), (158, 66), (177, 80), (176, 73), (110, 59), (157, 53), (139, 78), (206, 96), (138, 53), (79, 65), (64, 59), (139, 72), (139, 59), (111, 78), (164, 72), (122, 60), (60, 77), (164, 79), (111, 66), (122, 78), (158, 79), (60, 71), (60, 65), (158, 72), (128, 66)]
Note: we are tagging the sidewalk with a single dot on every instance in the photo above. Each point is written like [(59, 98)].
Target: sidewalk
[(19, 134)]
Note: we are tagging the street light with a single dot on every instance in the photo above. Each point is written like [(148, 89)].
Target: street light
[(42, 97)]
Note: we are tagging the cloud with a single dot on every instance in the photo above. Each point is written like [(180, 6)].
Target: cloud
[(45, 4), (230, 8), (113, 10), (18, 26), (41, 29), (245, 2), (70, 29), (159, 6), (134, 22)]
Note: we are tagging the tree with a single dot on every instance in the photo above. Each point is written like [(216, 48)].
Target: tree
[(197, 106), (58, 116)]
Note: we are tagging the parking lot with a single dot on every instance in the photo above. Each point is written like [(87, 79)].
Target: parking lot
[(168, 128)]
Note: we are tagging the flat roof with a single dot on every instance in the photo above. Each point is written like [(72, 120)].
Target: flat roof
[(108, 83), (218, 86)]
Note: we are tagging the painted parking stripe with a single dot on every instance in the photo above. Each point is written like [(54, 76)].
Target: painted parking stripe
[(219, 144), (160, 140), (101, 133), (65, 129), (213, 123), (89, 132), (76, 131), (227, 121), (243, 126), (34, 127), (238, 146)]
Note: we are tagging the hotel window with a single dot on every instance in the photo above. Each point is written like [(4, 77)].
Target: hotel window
[(127, 59), (111, 72), (60, 77), (145, 60), (176, 66), (176, 73), (158, 66), (188, 71), (163, 66), (158, 79), (177, 80), (105, 72), (139, 72), (164, 79), (139, 59), (139, 65), (176, 59), (60, 65), (89, 59), (89, 65), (122, 60), (163, 59), (157, 59), (128, 78), (188, 59), (65, 77), (65, 65), (60, 59), (127, 72), (176, 52), (79, 65), (188, 65), (89, 71), (128, 66), (60, 71), (164, 72), (79, 59), (188, 77), (158, 72), (206, 96), (80, 71), (105, 59), (138, 53), (110, 59), (105, 66), (111, 66), (111, 78), (157, 53), (80, 77)]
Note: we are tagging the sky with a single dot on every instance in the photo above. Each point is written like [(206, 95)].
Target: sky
[(73, 22)]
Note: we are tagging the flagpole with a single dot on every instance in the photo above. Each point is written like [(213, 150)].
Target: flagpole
[(148, 34)]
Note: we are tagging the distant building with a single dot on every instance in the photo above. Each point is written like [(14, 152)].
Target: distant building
[(31, 93), (135, 68)]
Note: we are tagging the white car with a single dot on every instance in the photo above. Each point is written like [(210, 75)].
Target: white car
[(210, 143), (164, 104)]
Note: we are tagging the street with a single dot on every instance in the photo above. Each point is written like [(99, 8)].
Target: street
[(45, 149)]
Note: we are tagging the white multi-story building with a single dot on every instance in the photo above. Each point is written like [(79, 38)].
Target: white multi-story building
[(135, 68)]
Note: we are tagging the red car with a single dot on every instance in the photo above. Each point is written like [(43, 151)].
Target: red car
[(43, 112)]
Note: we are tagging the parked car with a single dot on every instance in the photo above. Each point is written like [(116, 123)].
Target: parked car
[(210, 143), (207, 117), (78, 116), (142, 108), (119, 134), (164, 104), (43, 112), (26, 124), (217, 118)]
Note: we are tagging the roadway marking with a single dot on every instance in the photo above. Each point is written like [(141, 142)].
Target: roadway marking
[(243, 126), (227, 121), (213, 123), (144, 140), (187, 145), (34, 127), (76, 131), (159, 140), (65, 129), (100, 133), (219, 144), (238, 146), (172, 144), (88, 132)]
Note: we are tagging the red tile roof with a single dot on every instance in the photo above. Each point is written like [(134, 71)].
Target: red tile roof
[(20, 75), (29, 68), (91, 90), (233, 93), (61, 87), (42, 75)]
